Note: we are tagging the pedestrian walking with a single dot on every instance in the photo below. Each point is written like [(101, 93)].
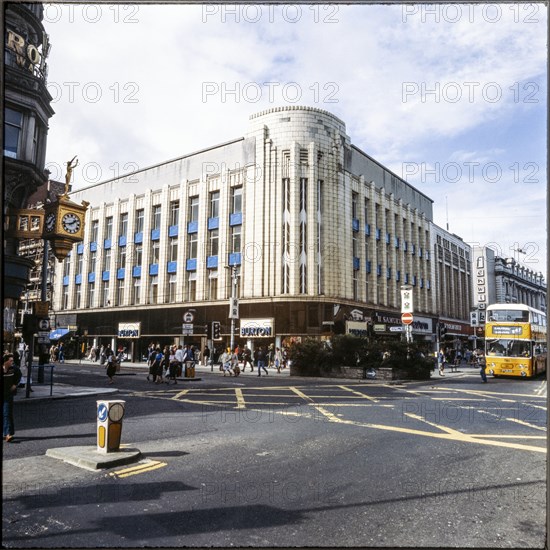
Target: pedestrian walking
[(235, 362), (278, 359), (173, 365), (102, 356), (247, 359), (482, 368), (110, 363), (260, 361), (206, 355), (61, 353), (11, 376), (225, 360), (156, 367), (441, 362), (180, 358)]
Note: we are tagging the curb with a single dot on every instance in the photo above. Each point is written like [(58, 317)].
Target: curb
[(89, 459)]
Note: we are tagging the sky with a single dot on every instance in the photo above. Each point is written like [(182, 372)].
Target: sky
[(451, 97)]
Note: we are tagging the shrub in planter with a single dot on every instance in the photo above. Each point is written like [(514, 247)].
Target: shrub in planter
[(310, 356)]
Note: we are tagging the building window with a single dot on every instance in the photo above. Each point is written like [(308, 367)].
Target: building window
[(136, 295), (154, 289), (155, 252), (237, 200), (303, 235), (138, 254), (155, 222), (105, 294), (320, 210), (194, 209), (109, 228), (193, 245), (235, 239), (192, 287), (214, 204), (172, 288), (95, 231), (78, 296), (213, 239), (66, 266), (173, 249), (79, 263), (120, 293), (140, 220), (107, 259), (213, 285), (91, 294), (123, 224), (175, 213), (121, 261), (65, 297), (12, 131), (93, 261)]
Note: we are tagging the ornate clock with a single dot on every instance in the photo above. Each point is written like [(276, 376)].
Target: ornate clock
[(71, 223), (49, 222)]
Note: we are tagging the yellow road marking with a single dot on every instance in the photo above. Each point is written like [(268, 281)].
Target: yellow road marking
[(140, 469), (361, 394), (179, 394), (438, 426), (510, 436), (240, 398), (523, 423)]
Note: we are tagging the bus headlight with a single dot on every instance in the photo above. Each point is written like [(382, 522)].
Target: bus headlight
[(491, 364), (491, 371), (522, 366), (523, 373)]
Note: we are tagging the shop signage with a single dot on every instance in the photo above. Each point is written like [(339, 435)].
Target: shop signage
[(480, 295), (27, 55), (356, 328), (257, 328), (379, 328), (129, 330)]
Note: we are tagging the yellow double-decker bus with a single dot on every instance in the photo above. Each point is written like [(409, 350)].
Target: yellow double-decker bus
[(515, 340)]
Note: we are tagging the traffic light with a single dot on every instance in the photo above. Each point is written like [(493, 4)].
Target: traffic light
[(442, 331), (30, 326), (216, 330), (208, 331)]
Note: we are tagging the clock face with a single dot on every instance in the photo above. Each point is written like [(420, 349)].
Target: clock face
[(49, 223), (70, 223)]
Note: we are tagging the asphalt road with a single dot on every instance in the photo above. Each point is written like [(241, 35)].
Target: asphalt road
[(281, 461)]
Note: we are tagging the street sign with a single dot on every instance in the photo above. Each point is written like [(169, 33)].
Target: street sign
[(188, 317), (41, 309), (406, 300), (187, 329), (407, 318), (44, 324), (396, 329), (233, 308), (474, 320)]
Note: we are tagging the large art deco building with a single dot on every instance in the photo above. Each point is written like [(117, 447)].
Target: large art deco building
[(317, 236)]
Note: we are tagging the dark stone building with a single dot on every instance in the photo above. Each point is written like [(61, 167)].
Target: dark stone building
[(27, 110)]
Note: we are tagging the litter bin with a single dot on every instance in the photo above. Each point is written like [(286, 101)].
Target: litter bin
[(189, 369), (109, 425)]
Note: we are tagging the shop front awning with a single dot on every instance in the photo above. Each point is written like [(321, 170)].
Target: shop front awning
[(58, 333)]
